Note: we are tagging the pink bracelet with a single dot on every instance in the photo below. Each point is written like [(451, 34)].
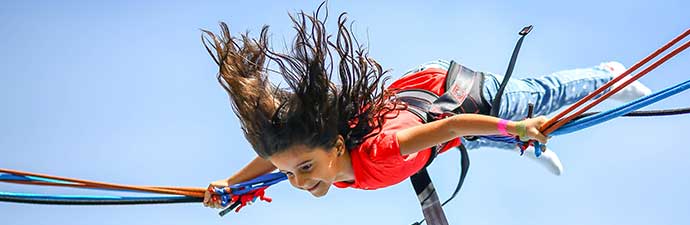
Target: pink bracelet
[(502, 124)]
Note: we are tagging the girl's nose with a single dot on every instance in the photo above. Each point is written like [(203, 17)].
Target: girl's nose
[(301, 181)]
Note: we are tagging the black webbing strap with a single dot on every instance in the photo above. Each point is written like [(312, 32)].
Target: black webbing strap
[(428, 199), (497, 99), (464, 167)]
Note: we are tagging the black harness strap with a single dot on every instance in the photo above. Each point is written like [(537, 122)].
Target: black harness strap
[(428, 199), (509, 71)]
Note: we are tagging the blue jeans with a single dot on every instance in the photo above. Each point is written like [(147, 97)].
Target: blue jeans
[(548, 93)]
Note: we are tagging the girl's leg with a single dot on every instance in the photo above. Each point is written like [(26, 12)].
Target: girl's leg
[(548, 93)]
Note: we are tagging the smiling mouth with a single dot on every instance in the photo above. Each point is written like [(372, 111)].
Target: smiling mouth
[(314, 187)]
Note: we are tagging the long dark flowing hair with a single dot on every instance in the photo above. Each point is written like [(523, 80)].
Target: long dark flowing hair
[(313, 110)]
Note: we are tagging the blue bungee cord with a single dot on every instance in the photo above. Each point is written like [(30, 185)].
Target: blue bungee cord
[(592, 120)]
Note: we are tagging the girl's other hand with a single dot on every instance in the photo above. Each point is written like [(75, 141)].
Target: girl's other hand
[(208, 200)]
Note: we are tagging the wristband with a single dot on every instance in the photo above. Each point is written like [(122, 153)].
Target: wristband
[(522, 131), (502, 124)]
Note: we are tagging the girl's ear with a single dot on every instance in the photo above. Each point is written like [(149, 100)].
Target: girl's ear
[(340, 145)]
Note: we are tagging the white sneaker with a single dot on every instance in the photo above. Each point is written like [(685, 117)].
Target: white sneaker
[(631, 92), (548, 159)]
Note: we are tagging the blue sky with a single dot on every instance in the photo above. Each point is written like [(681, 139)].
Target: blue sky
[(124, 92)]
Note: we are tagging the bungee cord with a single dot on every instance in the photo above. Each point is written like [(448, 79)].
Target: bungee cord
[(236, 196), (598, 118), (93, 199), (558, 120), (645, 113)]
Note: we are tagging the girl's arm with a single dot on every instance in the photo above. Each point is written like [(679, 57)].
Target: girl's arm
[(427, 135), (255, 168)]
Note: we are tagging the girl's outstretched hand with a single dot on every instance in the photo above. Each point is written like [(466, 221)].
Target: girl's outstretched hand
[(531, 129), (208, 200)]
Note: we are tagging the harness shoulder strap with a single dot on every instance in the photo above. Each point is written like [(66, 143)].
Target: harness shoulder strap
[(462, 94), (419, 102)]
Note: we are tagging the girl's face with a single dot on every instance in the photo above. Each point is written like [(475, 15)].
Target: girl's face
[(314, 169)]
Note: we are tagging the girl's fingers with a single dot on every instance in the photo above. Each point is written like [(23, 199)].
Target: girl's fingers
[(538, 136), (541, 138), (217, 205), (207, 198)]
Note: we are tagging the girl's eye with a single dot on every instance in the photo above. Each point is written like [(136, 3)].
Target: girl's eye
[(289, 174), (306, 167)]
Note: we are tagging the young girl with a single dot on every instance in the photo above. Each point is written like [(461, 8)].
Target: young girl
[(335, 124)]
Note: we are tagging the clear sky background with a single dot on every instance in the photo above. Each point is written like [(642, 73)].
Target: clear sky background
[(124, 92)]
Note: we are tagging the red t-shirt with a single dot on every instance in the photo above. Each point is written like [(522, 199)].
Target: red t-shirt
[(377, 162)]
